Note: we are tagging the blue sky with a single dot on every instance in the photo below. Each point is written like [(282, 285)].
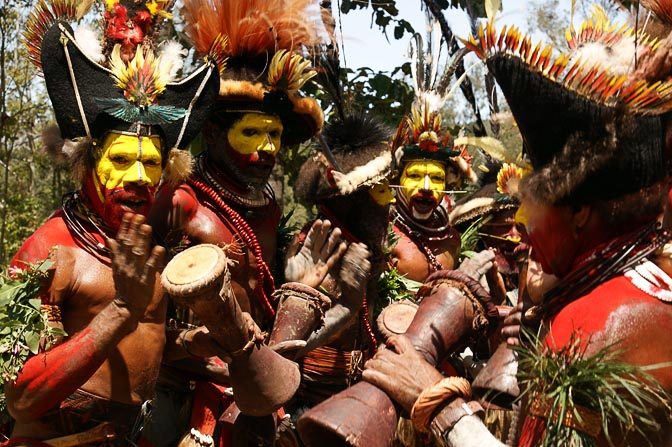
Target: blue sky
[(366, 46)]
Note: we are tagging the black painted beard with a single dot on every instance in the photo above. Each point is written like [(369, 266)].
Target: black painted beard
[(239, 175)]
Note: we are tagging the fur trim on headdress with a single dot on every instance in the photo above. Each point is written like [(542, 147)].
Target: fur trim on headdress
[(369, 174), (359, 146)]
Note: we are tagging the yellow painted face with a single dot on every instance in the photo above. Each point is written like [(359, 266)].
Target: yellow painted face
[(521, 215), (381, 193), (423, 176), (128, 159), (255, 132)]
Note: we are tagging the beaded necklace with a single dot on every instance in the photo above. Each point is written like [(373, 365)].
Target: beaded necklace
[(75, 215), (418, 233), (599, 266), (214, 201), (218, 180)]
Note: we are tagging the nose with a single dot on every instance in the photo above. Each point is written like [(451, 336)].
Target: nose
[(425, 184), (267, 145), (513, 234), (137, 175)]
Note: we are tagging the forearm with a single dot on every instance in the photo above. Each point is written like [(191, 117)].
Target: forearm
[(48, 378), (458, 426)]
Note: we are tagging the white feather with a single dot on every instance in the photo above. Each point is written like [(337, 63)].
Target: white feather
[(617, 58), (172, 55), (87, 39)]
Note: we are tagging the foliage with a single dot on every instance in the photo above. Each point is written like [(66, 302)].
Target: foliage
[(25, 327), (624, 395), (393, 286), (470, 237), (385, 13), (31, 182)]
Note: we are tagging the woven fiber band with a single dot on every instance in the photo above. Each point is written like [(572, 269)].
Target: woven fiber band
[(577, 417), (431, 397)]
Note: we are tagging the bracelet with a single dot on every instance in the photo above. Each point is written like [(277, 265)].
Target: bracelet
[(431, 397), (451, 414), (183, 342)]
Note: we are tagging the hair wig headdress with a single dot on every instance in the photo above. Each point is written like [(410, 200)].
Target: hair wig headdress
[(359, 144), (265, 68), (131, 90)]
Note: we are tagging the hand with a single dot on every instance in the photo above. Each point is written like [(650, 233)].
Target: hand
[(134, 264), (198, 341), (354, 274), (512, 324), (321, 250), (400, 371), (477, 267)]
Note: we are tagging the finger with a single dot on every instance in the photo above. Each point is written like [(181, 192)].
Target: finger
[(337, 255), (155, 263), (320, 234), (142, 243), (484, 256), (310, 236), (513, 341), (400, 344), (122, 233), (332, 243)]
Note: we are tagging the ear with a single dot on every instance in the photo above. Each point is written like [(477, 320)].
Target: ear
[(580, 218)]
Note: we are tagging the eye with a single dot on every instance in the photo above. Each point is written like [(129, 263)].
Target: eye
[(438, 179), (249, 132), (274, 134), (414, 176), (152, 163), (119, 159)]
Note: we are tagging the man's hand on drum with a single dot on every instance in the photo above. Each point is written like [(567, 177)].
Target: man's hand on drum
[(198, 341), (354, 273), (478, 266), (321, 250), (400, 371), (135, 265)]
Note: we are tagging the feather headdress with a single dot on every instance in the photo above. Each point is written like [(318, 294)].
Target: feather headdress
[(122, 94), (265, 68), (584, 128), (423, 134)]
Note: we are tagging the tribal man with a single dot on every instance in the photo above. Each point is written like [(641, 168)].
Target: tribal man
[(590, 208), (103, 292)]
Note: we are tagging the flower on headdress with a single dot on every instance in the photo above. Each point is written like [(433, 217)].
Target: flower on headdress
[(289, 72), (131, 31), (508, 178)]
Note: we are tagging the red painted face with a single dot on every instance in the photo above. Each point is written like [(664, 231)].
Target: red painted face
[(549, 230)]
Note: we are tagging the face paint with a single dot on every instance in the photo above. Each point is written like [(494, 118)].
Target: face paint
[(549, 231), (381, 193), (126, 176), (255, 132), (423, 183)]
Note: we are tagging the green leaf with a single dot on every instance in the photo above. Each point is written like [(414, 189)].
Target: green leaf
[(32, 340)]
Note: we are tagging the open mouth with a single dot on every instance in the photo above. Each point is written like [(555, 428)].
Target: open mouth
[(131, 200), (423, 205)]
